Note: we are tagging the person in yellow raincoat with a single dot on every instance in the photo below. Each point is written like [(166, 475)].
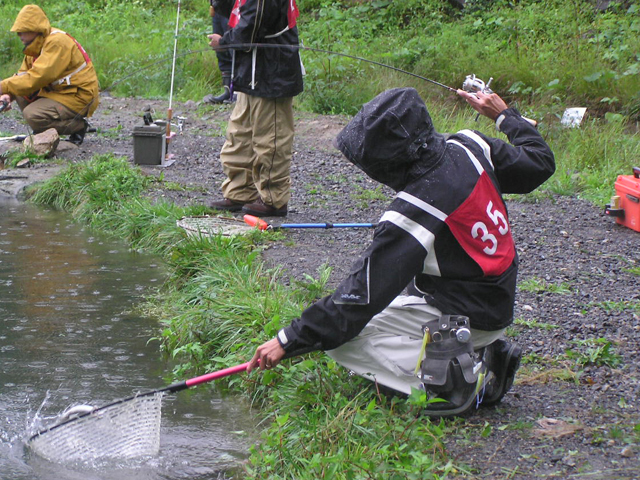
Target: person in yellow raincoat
[(56, 86)]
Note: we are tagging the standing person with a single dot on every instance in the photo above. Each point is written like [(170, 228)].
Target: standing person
[(446, 237), (56, 86), (256, 156), (221, 10)]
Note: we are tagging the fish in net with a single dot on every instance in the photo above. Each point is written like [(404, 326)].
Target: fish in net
[(128, 428)]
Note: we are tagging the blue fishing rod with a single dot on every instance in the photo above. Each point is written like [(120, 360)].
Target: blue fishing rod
[(263, 225)]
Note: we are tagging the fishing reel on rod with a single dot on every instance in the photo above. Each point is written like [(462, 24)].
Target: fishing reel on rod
[(473, 84), (4, 105)]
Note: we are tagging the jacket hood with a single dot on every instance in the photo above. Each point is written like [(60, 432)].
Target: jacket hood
[(32, 19), (392, 138)]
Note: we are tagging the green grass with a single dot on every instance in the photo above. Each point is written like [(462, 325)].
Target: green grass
[(634, 270), (539, 285), (598, 352), (535, 324), (13, 157), (617, 306)]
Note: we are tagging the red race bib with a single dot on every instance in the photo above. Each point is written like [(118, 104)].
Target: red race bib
[(481, 227)]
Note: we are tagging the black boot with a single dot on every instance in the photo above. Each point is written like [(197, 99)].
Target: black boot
[(225, 96), (78, 137), (503, 359)]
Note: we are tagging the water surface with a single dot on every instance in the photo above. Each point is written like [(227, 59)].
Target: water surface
[(70, 334)]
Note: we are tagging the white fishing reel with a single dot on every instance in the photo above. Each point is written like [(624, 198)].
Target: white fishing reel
[(473, 84)]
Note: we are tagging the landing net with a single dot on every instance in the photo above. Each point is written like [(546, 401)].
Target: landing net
[(207, 226), (128, 428)]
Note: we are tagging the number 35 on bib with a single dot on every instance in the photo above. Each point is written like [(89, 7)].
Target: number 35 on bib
[(481, 227)]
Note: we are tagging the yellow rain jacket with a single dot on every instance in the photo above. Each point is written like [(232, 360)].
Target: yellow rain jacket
[(54, 66)]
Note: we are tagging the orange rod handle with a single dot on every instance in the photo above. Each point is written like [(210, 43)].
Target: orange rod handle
[(256, 222)]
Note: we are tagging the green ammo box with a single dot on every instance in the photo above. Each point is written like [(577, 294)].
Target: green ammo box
[(149, 145)]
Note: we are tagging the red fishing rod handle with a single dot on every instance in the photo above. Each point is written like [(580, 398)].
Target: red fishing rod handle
[(215, 375)]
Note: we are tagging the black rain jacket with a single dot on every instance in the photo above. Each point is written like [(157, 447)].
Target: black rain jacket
[(446, 235), (269, 72)]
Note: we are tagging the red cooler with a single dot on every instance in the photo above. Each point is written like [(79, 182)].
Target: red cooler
[(625, 204)]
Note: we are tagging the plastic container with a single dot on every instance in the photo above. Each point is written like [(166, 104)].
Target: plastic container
[(625, 205), (149, 145)]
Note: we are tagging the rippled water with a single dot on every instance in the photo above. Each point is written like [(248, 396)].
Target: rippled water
[(68, 336)]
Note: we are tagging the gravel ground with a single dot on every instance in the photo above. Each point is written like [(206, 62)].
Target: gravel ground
[(574, 409)]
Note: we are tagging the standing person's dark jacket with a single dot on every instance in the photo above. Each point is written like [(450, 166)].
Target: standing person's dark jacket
[(446, 234), (270, 72)]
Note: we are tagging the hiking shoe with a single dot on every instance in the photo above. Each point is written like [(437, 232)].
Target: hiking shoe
[(261, 209), (503, 359), (227, 205), (225, 96), (78, 137)]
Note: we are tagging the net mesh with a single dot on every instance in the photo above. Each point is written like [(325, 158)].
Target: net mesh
[(209, 226), (127, 429)]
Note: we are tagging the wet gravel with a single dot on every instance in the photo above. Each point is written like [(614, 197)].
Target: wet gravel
[(574, 409)]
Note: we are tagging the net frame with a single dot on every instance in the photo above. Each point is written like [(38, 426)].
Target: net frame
[(141, 438), (207, 226), (126, 428)]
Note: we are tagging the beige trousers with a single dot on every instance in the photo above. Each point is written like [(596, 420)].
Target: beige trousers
[(256, 156), (388, 349), (44, 113)]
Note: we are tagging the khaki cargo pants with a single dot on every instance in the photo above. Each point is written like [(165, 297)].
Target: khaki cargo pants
[(256, 156), (44, 113)]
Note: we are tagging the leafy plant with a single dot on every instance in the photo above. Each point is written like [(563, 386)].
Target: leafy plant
[(599, 352), (535, 324)]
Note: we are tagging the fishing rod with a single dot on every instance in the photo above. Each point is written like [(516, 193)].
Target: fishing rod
[(247, 46), (173, 73), (263, 225), (472, 84)]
